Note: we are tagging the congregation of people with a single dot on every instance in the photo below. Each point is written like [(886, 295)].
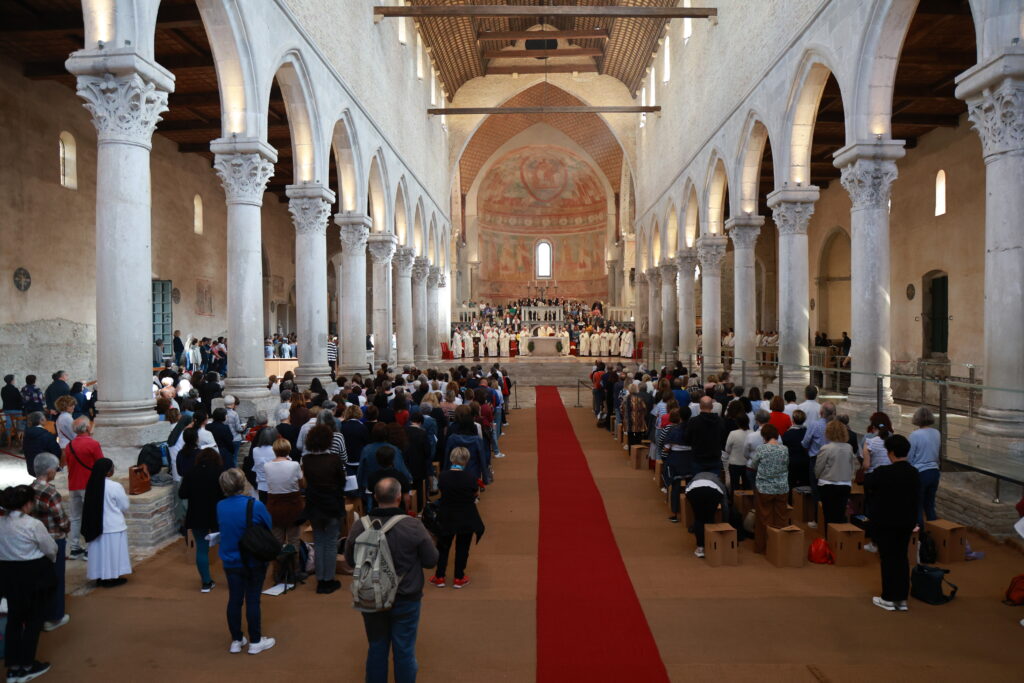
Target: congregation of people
[(715, 438)]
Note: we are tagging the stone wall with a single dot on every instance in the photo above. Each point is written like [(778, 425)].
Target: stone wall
[(967, 498), (150, 519)]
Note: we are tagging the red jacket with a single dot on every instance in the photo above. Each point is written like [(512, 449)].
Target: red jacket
[(81, 454)]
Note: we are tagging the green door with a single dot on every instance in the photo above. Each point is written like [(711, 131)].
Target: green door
[(940, 314)]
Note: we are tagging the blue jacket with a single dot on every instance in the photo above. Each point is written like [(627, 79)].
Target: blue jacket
[(368, 463), (479, 455), (231, 519)]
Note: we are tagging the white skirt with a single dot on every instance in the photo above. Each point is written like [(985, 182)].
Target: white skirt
[(108, 556)]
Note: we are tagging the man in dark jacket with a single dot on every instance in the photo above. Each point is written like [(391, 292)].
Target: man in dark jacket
[(412, 551), (37, 440), (893, 500), (58, 387), (417, 455), (704, 437), (221, 433)]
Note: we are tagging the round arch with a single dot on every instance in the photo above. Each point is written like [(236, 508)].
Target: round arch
[(751, 156), (671, 232), (401, 215), (291, 75), (691, 227), (812, 75), (714, 197), (376, 200), (346, 161)]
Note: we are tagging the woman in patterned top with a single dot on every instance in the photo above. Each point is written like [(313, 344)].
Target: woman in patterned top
[(771, 484)]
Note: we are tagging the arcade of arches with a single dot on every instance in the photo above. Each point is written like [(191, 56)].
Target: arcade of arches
[(807, 170)]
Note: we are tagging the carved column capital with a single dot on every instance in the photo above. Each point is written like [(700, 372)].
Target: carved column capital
[(420, 270), (654, 277), (309, 214), (404, 259), (244, 176), (792, 218), (994, 93), (382, 248), (711, 251), (744, 230), (433, 277), (442, 280), (668, 270), (868, 181), (353, 236), (640, 277), (125, 109)]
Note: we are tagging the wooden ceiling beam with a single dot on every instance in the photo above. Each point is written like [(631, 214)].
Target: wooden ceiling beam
[(530, 11), (457, 111), (170, 17), (541, 69), (538, 54), (906, 119), (592, 34)]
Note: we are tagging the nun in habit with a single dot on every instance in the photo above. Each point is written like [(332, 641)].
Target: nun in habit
[(104, 526)]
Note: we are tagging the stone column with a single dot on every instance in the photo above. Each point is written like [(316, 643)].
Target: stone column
[(420, 271), (310, 206), (244, 167), (433, 318), (472, 283), (125, 108), (612, 282), (686, 265), (382, 249), (791, 211), (994, 93), (404, 258), (641, 308), (654, 315), (355, 230), (868, 171), (744, 231), (711, 251), (669, 311), (444, 322)]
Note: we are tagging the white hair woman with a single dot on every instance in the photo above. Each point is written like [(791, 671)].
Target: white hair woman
[(49, 509), (458, 518)]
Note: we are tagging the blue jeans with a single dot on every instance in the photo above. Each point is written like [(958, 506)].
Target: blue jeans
[(55, 610), (395, 628), (245, 585), (325, 541), (8, 414), (202, 554), (929, 487)]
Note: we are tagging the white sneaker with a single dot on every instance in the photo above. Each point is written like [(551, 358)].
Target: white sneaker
[(499, 455), (699, 552), (237, 645), (871, 547), (664, 490), (901, 606), (884, 604), (262, 644), (812, 525), (54, 625)]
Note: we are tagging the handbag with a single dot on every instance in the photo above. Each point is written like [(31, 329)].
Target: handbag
[(926, 585), (138, 480), (820, 553), (257, 542), (431, 517)]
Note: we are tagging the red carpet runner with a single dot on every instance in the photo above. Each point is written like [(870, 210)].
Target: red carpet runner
[(590, 626)]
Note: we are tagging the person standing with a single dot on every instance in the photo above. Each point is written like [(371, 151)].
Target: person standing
[(104, 526), (245, 575), (412, 551), (82, 454), (31, 396), (200, 486), (704, 435), (324, 473), (49, 510), (458, 518), (284, 498), (178, 347), (37, 439), (893, 508), (11, 397), (770, 462), (58, 387), (834, 467), (27, 554), (925, 455)]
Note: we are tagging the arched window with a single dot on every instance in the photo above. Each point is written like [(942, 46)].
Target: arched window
[(940, 193), (68, 161), (197, 215), (419, 56), (403, 37), (543, 259), (433, 88), (654, 85), (666, 64), (687, 25)]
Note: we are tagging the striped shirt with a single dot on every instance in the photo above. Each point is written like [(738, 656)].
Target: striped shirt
[(332, 352)]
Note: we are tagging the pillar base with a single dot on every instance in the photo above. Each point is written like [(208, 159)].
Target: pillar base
[(1001, 423), (122, 443), (126, 413), (864, 398), (795, 380), (252, 394), (304, 374), (420, 360), (349, 370), (989, 452)]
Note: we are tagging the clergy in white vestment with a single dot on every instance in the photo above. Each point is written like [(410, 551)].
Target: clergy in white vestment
[(524, 343), (604, 343), (626, 346), (467, 344), (492, 343), (613, 346), (456, 344), (563, 334), (584, 343), (503, 342)]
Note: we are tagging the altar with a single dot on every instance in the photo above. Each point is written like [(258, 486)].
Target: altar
[(545, 346)]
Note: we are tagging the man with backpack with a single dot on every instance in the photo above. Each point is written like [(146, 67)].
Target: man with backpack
[(387, 580)]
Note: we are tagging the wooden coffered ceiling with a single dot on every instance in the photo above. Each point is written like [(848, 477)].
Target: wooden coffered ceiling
[(461, 48)]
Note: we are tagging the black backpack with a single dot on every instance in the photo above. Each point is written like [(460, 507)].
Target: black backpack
[(257, 542), (152, 456), (926, 585), (927, 553)]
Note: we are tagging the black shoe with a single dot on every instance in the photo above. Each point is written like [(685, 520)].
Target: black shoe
[(112, 583), (321, 586), (35, 671), (335, 583)]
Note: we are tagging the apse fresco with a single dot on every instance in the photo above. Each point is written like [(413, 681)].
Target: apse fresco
[(542, 191)]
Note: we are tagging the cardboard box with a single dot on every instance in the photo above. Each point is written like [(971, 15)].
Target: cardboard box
[(720, 546), (786, 547), (847, 544), (618, 431), (950, 539), (638, 456), (803, 508), (743, 502), (856, 502), (658, 466)]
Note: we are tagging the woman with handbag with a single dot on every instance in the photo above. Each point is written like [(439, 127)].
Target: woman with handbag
[(284, 499), (458, 518), (245, 573), (104, 526), (27, 554), (201, 488)]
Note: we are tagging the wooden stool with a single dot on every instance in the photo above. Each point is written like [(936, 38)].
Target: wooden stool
[(658, 466), (950, 539), (637, 456), (743, 502), (847, 544)]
